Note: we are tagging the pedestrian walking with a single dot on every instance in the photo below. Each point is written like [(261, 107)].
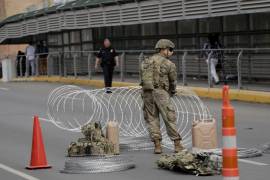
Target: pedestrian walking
[(213, 55), (20, 63), (108, 59)]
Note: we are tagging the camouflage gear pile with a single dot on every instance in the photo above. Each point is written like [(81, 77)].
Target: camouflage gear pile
[(157, 100), (94, 142), (164, 43), (200, 165)]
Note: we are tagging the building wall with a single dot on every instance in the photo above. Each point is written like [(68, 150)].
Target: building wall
[(10, 51), (2, 10), (12, 7), (238, 31), (61, 1)]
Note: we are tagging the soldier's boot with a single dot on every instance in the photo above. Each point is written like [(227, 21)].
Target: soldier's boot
[(158, 149), (178, 146)]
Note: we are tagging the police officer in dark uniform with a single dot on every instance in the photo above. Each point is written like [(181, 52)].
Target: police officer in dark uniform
[(107, 58)]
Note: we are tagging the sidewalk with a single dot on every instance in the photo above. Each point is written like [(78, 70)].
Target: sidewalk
[(200, 88), (194, 82)]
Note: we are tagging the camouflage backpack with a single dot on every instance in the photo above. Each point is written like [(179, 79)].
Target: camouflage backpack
[(189, 163), (149, 73)]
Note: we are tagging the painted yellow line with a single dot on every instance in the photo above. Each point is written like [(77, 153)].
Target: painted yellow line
[(240, 95), (213, 93)]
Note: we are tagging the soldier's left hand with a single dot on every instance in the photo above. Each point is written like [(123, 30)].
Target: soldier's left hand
[(173, 93)]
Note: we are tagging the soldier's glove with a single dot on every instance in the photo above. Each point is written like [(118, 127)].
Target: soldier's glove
[(173, 93)]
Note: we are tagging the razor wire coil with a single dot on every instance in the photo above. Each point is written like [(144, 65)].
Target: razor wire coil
[(70, 107), (98, 164)]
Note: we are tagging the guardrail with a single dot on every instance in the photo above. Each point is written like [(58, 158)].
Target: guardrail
[(242, 64)]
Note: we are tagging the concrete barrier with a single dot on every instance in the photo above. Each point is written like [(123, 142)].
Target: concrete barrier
[(8, 70)]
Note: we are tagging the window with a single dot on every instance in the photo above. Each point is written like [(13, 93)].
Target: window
[(149, 43), (149, 29), (133, 44), (133, 30), (75, 49), (187, 27), (235, 23), (262, 40), (187, 43), (75, 37), (210, 25), (118, 44), (87, 35), (117, 31), (54, 39), (66, 38), (167, 28), (261, 21), (87, 47)]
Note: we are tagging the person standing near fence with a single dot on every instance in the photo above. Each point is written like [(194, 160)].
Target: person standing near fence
[(214, 57), (107, 58), (20, 63), (30, 58), (42, 53)]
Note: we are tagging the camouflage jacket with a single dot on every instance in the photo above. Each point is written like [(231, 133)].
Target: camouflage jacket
[(164, 76), (190, 163)]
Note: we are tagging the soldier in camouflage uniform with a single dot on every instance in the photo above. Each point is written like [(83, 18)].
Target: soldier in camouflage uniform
[(158, 80)]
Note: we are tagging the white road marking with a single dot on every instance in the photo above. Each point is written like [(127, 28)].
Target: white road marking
[(4, 89), (252, 162), (16, 172)]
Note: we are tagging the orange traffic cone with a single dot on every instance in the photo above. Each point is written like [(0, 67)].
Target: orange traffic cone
[(230, 169), (38, 156)]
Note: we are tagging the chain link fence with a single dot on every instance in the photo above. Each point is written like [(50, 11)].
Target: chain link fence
[(247, 68)]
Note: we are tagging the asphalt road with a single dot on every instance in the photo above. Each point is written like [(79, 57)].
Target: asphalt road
[(20, 101)]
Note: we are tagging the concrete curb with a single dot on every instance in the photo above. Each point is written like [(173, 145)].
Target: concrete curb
[(213, 93)]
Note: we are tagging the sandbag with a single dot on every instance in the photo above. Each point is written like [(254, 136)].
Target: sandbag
[(204, 134), (112, 134)]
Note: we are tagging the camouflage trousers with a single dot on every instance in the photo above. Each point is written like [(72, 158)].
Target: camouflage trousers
[(158, 102)]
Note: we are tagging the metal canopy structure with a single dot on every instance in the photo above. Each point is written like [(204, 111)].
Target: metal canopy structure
[(82, 14)]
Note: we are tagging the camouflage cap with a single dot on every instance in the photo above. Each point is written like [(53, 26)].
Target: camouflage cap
[(164, 43)]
